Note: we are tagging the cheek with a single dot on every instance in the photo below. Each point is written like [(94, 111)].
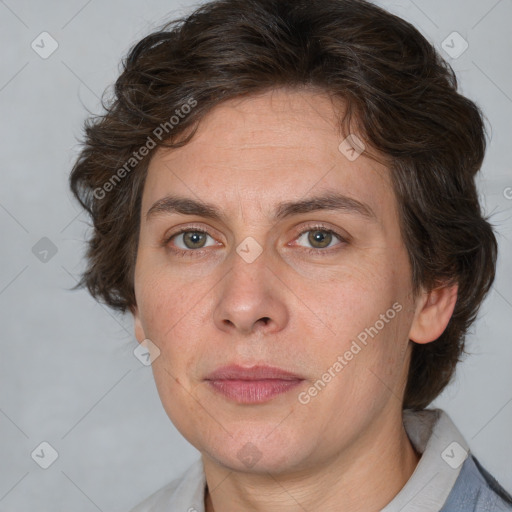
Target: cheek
[(162, 312), (162, 298), (168, 316), (360, 376), (352, 298), (367, 310)]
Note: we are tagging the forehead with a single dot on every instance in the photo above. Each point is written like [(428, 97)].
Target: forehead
[(262, 150)]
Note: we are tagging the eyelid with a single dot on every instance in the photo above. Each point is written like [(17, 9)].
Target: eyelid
[(320, 226), (168, 237), (178, 230)]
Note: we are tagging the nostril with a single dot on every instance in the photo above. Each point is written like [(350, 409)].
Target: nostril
[(265, 320)]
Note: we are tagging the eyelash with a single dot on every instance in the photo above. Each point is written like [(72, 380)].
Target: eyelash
[(309, 250)]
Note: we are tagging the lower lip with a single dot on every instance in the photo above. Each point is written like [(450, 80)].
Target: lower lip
[(253, 391)]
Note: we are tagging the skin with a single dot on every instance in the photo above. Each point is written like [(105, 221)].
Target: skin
[(297, 306)]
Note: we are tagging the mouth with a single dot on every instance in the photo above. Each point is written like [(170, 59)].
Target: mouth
[(257, 384)]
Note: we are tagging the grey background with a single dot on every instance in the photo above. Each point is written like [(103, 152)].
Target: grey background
[(68, 375)]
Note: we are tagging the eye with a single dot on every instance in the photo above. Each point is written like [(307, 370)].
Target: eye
[(319, 238), (192, 239)]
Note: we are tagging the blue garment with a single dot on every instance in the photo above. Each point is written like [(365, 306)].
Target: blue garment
[(475, 490)]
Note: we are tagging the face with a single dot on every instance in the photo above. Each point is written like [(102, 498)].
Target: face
[(264, 243)]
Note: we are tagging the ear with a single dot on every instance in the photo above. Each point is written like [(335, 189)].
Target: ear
[(139, 331), (433, 312)]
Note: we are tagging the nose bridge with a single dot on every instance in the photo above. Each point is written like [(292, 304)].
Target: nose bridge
[(247, 282)]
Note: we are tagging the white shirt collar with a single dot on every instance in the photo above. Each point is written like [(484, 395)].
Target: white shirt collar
[(431, 432), (443, 450)]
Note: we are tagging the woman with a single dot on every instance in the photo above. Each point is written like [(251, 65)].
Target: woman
[(283, 196)]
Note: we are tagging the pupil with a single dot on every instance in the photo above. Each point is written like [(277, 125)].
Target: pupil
[(194, 240), (320, 239)]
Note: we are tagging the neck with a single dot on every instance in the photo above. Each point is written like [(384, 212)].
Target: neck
[(364, 477)]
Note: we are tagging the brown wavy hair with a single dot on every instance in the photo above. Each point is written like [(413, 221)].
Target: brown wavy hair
[(402, 94)]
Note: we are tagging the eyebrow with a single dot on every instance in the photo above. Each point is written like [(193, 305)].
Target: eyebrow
[(329, 201)]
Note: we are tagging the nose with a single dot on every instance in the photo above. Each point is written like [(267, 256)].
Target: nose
[(250, 299)]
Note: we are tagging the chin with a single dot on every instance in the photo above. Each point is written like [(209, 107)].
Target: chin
[(259, 454)]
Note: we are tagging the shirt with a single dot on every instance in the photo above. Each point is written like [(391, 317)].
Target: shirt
[(447, 478)]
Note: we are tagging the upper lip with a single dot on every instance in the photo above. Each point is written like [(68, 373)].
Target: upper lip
[(258, 372)]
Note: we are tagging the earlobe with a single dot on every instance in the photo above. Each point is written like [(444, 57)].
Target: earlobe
[(139, 331), (433, 312)]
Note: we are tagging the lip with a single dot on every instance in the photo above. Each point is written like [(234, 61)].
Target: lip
[(258, 372), (256, 384)]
